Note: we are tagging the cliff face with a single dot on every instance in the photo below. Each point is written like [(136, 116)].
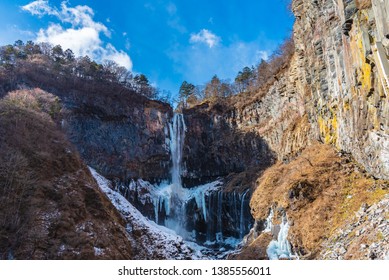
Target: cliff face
[(334, 89), (341, 51), (120, 133), (216, 148), (122, 137)]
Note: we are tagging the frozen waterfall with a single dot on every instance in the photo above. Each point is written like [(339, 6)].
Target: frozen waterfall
[(281, 248), (206, 214)]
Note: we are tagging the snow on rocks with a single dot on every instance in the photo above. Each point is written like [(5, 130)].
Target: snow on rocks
[(366, 237), (152, 240)]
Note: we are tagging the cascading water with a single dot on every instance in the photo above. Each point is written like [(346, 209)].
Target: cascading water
[(170, 198), (242, 226), (269, 221), (177, 137), (205, 214)]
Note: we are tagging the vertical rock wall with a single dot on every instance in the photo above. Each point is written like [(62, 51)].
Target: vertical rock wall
[(335, 88), (342, 48)]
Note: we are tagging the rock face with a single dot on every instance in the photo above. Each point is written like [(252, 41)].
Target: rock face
[(117, 131), (214, 147), (123, 138), (341, 52), (335, 90), (363, 238)]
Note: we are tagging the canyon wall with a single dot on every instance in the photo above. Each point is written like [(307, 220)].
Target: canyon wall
[(215, 148), (342, 54), (123, 138), (334, 90)]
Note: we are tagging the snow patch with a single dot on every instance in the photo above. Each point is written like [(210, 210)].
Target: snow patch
[(98, 251), (156, 240), (269, 223)]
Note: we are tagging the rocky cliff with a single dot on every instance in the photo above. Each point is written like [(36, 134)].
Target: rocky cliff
[(116, 130), (342, 56), (335, 88), (122, 136), (50, 206), (216, 148), (334, 91)]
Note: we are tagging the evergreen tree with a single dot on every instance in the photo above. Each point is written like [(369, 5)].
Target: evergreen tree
[(186, 90)]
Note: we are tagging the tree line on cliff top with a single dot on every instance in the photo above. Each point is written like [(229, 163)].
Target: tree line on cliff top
[(248, 80), (50, 61)]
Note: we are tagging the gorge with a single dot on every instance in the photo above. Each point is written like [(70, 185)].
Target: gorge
[(297, 169)]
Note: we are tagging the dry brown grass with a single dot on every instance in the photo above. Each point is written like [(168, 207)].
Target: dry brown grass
[(256, 250), (50, 206), (363, 4), (320, 192)]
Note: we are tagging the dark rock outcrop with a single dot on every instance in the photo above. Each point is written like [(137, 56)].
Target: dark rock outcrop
[(124, 139), (216, 148)]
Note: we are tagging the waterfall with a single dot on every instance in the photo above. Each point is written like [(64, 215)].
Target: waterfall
[(169, 199), (242, 217), (205, 213), (177, 137), (219, 225)]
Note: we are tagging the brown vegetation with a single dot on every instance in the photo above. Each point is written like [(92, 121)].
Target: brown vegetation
[(249, 83), (363, 4), (320, 191), (255, 250), (50, 206)]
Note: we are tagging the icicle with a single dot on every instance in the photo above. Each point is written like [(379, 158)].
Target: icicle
[(241, 224), (269, 223), (156, 208), (219, 227), (235, 209), (281, 248)]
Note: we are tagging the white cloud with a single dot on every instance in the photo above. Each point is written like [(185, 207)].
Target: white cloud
[(120, 57), (39, 8), (82, 41), (205, 36), (84, 35)]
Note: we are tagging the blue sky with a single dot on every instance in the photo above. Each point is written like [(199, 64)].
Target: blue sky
[(169, 41)]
